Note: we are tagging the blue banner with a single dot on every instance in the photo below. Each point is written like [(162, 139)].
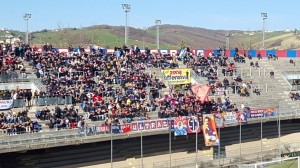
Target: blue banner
[(180, 125), (115, 129)]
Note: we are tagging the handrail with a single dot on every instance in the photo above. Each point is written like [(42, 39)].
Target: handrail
[(284, 76)]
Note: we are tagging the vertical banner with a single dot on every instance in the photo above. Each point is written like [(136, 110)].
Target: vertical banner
[(180, 126), (243, 117), (193, 125), (219, 119), (209, 130)]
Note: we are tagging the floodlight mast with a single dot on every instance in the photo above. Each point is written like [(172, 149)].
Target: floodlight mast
[(157, 22), (26, 17), (264, 17), (126, 8)]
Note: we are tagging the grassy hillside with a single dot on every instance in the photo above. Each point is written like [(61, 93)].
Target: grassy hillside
[(273, 40), (170, 38)]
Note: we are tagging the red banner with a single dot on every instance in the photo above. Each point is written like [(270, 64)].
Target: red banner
[(201, 92), (125, 128)]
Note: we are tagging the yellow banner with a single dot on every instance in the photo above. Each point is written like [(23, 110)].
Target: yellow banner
[(177, 76)]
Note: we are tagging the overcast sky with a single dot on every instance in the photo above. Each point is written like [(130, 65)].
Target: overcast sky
[(211, 14)]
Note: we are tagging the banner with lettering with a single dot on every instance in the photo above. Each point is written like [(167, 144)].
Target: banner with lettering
[(257, 113), (219, 91), (104, 128), (151, 125), (230, 118), (193, 125), (115, 129), (209, 130), (177, 76), (180, 126), (125, 128), (6, 104)]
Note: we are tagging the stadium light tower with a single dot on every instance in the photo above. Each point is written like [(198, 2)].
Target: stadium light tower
[(227, 35), (26, 17), (157, 22), (127, 9), (264, 17)]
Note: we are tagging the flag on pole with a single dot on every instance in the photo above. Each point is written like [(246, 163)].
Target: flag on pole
[(201, 92)]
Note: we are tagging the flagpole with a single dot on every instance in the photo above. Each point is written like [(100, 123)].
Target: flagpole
[(240, 158), (219, 145), (279, 130), (170, 143), (197, 143), (261, 137), (111, 147), (142, 149)]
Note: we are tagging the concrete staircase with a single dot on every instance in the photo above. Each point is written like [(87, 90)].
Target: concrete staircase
[(274, 91)]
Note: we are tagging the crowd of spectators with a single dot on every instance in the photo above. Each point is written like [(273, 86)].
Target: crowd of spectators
[(114, 85), (184, 103), (17, 123), (107, 85), (60, 118), (16, 94), (11, 60)]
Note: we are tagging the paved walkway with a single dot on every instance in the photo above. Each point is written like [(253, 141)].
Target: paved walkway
[(292, 140)]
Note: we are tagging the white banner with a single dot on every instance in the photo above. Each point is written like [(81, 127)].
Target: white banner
[(6, 104), (230, 118)]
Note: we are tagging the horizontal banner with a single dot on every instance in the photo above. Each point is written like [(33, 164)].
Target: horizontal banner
[(6, 104), (177, 76)]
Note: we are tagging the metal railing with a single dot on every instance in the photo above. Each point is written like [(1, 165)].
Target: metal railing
[(43, 101), (93, 131), (284, 75), (208, 161)]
